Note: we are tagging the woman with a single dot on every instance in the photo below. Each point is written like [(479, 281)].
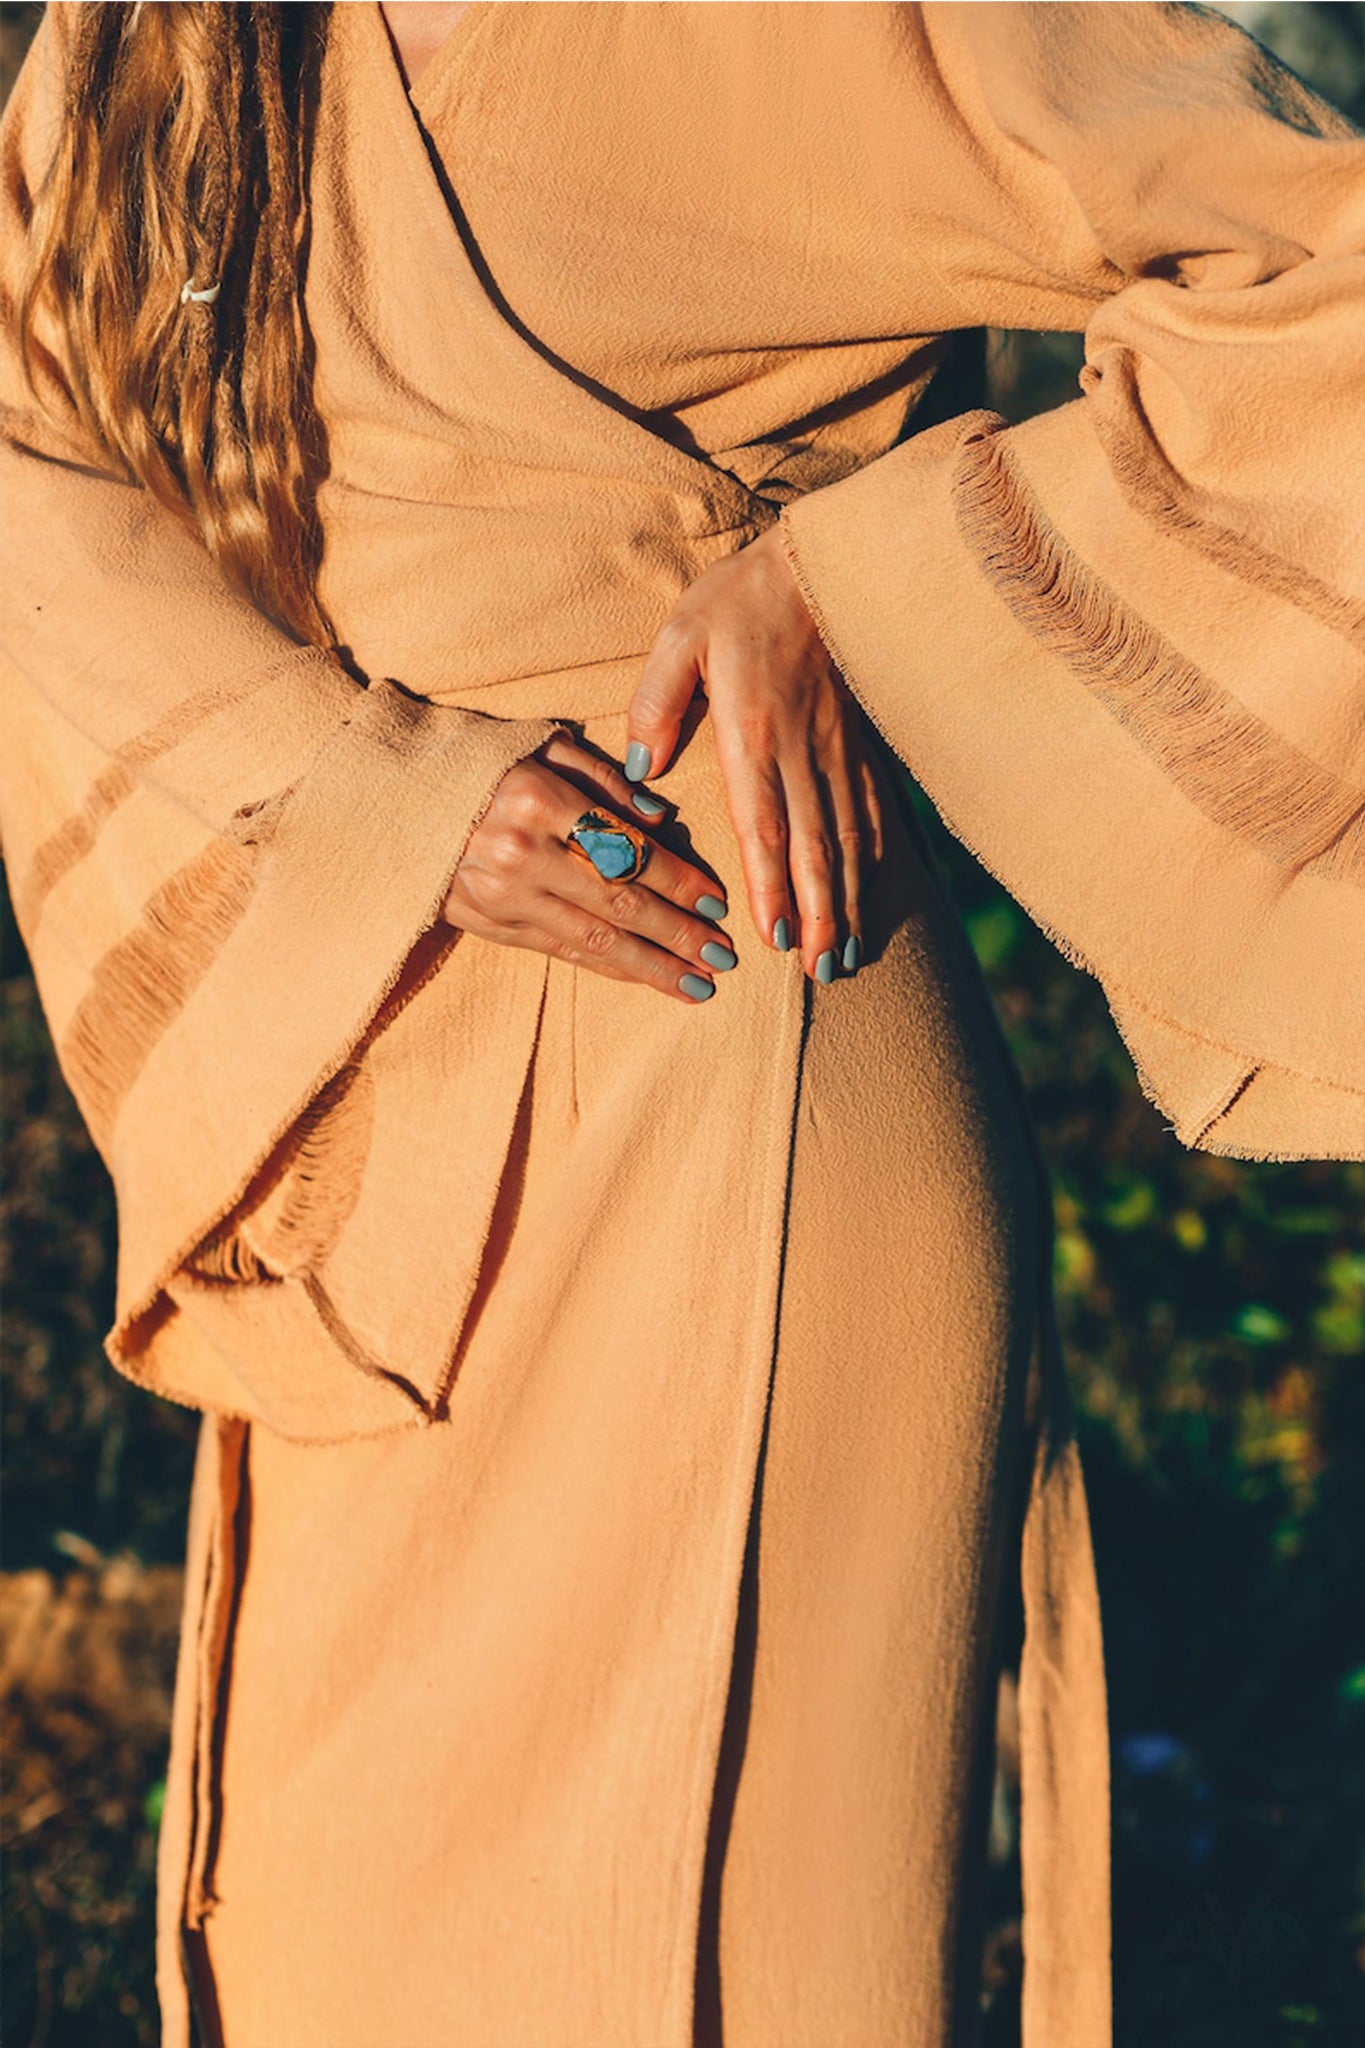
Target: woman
[(625, 1419)]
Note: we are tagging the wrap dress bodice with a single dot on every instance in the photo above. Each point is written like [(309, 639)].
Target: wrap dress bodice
[(503, 1287), (645, 445)]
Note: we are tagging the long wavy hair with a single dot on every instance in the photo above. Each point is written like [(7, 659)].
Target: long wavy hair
[(182, 161)]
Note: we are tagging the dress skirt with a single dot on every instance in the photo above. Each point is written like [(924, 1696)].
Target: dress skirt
[(705, 1757)]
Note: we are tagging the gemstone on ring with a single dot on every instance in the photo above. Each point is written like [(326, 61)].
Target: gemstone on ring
[(615, 851)]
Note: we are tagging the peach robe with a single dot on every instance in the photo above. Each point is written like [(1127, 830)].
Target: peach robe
[(627, 1428)]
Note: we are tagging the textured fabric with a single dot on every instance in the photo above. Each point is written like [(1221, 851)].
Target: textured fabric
[(524, 1307), (555, 1571)]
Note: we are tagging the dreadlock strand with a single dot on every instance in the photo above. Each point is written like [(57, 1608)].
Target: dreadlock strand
[(181, 159)]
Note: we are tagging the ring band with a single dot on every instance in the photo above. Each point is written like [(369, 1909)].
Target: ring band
[(617, 851)]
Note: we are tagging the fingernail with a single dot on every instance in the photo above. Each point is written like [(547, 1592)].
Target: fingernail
[(648, 805), (825, 966), (853, 953), (711, 906), (718, 956), (696, 986), (782, 935), (637, 761)]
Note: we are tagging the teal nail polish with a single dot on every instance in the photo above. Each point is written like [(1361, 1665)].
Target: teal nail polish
[(648, 806), (782, 935), (696, 986), (637, 761), (825, 966), (853, 953), (718, 956), (711, 906)]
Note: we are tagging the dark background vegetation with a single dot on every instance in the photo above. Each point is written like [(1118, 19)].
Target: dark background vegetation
[(1214, 1316)]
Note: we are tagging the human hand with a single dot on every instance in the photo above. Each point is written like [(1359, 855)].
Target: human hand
[(519, 884), (799, 779)]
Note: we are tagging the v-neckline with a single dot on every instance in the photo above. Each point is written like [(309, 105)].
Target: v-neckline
[(608, 437), (442, 57)]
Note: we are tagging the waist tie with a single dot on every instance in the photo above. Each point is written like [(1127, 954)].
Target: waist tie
[(1063, 1744), (189, 1818), (597, 689)]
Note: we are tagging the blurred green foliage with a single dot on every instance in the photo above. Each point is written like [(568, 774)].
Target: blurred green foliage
[(1213, 1313)]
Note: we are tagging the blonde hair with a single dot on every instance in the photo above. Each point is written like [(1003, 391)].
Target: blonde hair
[(182, 162)]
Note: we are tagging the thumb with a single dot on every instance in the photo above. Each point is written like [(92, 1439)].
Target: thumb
[(668, 681)]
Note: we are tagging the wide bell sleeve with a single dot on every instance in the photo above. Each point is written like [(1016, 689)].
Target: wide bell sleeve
[(1120, 644), (227, 860)]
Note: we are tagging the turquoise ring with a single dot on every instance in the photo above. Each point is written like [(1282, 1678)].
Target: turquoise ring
[(618, 851)]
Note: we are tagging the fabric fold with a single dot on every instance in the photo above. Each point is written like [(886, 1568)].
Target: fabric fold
[(1167, 834)]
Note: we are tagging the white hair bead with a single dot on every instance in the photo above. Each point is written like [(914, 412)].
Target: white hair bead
[(204, 298)]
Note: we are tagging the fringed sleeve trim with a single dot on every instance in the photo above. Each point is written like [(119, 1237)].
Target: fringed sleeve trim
[(1240, 772)]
